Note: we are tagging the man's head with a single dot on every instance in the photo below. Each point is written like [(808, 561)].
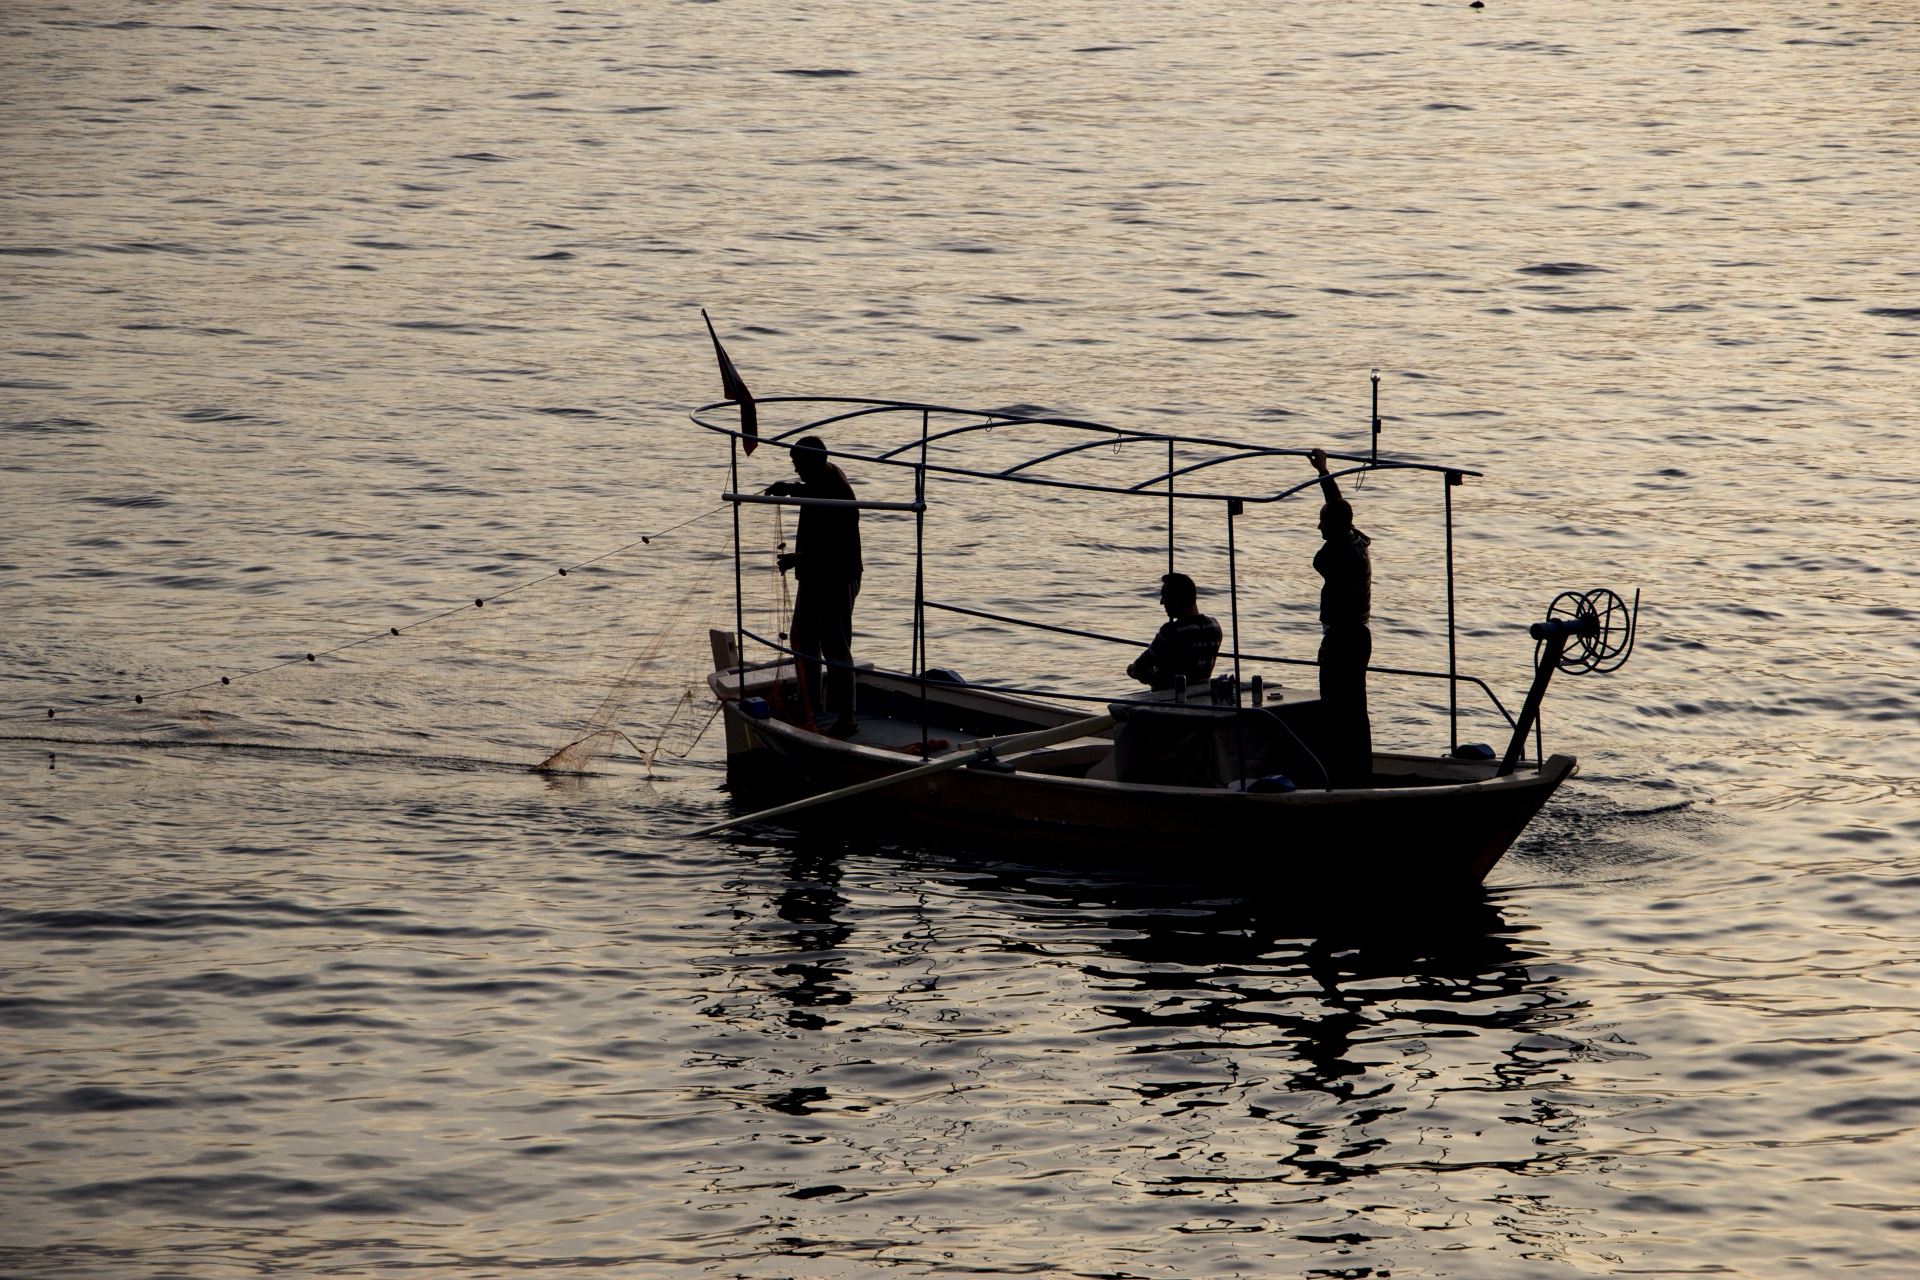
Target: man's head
[(1336, 517), (810, 457), (1178, 595)]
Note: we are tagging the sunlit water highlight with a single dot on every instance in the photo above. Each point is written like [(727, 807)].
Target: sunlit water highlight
[(323, 318)]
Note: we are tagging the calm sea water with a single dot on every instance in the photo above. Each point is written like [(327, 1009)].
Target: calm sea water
[(322, 318)]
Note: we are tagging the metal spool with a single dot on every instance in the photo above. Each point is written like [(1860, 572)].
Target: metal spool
[(1605, 644)]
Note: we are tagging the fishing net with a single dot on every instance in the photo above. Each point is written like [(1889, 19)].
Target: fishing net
[(597, 666)]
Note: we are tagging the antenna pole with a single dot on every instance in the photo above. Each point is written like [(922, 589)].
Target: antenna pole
[(1376, 417)]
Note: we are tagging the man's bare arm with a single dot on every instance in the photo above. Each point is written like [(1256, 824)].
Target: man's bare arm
[(1328, 485)]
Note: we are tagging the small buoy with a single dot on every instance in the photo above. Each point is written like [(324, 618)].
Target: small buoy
[(137, 699), (1476, 5), (648, 541), (479, 604), (224, 680), (309, 657), (49, 713), (393, 631), (563, 573)]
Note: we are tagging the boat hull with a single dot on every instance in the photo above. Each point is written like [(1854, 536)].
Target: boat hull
[(1429, 828)]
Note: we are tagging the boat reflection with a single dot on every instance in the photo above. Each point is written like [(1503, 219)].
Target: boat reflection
[(1363, 1033), (815, 978)]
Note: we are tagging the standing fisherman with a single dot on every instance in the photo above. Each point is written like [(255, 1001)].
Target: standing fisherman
[(1346, 644), (826, 563)]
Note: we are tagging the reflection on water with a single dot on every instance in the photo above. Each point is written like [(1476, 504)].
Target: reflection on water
[(495, 1029), (325, 320), (808, 904), (1234, 1051)]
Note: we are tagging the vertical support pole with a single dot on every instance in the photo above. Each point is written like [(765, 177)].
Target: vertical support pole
[(920, 580), (1453, 664), (739, 603), (1170, 509), (1234, 508)]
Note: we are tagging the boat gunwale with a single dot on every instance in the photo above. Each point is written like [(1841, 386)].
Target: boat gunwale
[(777, 734)]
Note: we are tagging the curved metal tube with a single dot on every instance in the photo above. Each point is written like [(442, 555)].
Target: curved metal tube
[(990, 421), (1118, 439), (1214, 462)]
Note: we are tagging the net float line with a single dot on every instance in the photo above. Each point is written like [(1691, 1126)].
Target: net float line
[(479, 602)]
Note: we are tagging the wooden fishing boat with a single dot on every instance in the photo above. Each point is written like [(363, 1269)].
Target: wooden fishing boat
[(1424, 818), (1228, 781)]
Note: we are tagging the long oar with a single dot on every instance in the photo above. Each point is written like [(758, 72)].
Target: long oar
[(982, 749)]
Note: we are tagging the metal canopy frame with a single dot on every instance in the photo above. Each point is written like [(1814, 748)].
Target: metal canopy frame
[(987, 420), (1163, 484)]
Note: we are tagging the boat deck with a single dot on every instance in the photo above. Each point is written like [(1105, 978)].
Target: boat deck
[(889, 709)]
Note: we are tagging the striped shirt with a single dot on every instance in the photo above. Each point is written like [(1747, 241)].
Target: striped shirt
[(1185, 647)]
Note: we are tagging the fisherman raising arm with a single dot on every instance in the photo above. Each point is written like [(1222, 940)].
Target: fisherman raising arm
[(1186, 646), (826, 563), (1346, 644)]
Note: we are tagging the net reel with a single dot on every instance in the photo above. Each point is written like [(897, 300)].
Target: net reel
[(1585, 633), (1600, 629)]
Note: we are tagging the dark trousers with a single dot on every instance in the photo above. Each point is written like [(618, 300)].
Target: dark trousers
[(823, 628), (1347, 736)]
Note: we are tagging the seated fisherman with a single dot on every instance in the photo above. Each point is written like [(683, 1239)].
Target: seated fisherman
[(1186, 646)]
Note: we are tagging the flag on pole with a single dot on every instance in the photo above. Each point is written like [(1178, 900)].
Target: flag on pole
[(734, 388)]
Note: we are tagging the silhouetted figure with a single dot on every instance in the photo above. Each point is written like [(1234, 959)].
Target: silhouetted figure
[(826, 563), (1186, 646), (1346, 643)]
